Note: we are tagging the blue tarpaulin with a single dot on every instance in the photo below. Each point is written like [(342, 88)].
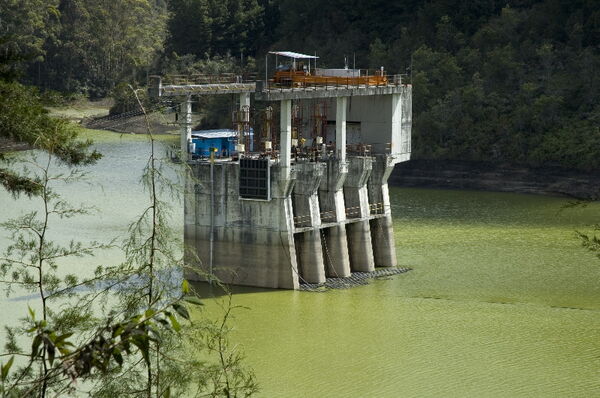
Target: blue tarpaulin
[(222, 139)]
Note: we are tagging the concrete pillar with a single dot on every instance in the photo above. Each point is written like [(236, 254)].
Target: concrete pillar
[(382, 229), (186, 133), (356, 195), (307, 215), (356, 198), (335, 252), (340, 128), (310, 256), (307, 211), (383, 242), (360, 246), (285, 138), (333, 210)]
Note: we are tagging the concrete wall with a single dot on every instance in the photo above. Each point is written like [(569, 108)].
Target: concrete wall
[(253, 240), (376, 120)]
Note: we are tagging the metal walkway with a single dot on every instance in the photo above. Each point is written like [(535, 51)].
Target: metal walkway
[(356, 279)]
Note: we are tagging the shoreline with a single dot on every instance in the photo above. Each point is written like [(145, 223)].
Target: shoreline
[(501, 177)]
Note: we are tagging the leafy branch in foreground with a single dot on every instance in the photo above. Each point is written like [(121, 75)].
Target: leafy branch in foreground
[(154, 253), (141, 349), (24, 119), (103, 352)]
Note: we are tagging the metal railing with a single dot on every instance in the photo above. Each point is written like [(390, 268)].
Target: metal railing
[(330, 216), (295, 82), (200, 78), (309, 82)]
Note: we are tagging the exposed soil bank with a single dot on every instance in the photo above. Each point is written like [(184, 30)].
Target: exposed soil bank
[(496, 177), (8, 145)]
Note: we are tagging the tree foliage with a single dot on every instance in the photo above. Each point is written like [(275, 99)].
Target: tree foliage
[(83, 45), (123, 335), (495, 80), (23, 119)]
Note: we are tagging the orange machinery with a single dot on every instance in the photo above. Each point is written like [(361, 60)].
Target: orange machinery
[(300, 78), (297, 75)]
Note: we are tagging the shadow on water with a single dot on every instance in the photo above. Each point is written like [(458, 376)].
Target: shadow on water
[(206, 290)]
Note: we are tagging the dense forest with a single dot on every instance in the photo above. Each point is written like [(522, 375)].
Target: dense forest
[(513, 81)]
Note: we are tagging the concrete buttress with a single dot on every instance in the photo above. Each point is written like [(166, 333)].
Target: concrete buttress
[(382, 231), (357, 207), (307, 214), (333, 210)]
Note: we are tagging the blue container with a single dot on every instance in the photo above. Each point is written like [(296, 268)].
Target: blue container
[(223, 140)]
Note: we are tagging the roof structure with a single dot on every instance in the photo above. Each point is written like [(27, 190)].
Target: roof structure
[(291, 54), (216, 133)]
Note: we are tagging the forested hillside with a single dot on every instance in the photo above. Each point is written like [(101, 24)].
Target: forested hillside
[(510, 80)]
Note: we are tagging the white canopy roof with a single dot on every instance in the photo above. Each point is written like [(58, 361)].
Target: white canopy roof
[(217, 133), (294, 55)]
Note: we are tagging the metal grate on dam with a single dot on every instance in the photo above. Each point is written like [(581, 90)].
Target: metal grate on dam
[(356, 279)]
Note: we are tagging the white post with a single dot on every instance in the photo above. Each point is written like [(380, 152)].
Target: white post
[(186, 134), (340, 128), (248, 141), (244, 100), (396, 139), (285, 137)]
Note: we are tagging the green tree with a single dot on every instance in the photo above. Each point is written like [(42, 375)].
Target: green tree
[(25, 25), (127, 351), (102, 43)]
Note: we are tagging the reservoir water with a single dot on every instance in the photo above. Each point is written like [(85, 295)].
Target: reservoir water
[(501, 301)]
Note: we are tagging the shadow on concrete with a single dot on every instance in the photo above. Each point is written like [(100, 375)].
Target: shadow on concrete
[(206, 290)]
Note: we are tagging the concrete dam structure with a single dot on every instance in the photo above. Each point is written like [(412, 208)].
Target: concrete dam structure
[(304, 195)]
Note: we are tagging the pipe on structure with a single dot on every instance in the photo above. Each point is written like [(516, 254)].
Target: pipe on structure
[(285, 138), (340, 127), (186, 136)]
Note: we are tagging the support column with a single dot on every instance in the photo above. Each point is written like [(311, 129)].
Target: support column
[(186, 134), (382, 229), (310, 256), (357, 205), (333, 210), (245, 103), (360, 246), (307, 215), (285, 138), (340, 128)]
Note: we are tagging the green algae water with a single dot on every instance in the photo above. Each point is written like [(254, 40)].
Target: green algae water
[(501, 300)]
